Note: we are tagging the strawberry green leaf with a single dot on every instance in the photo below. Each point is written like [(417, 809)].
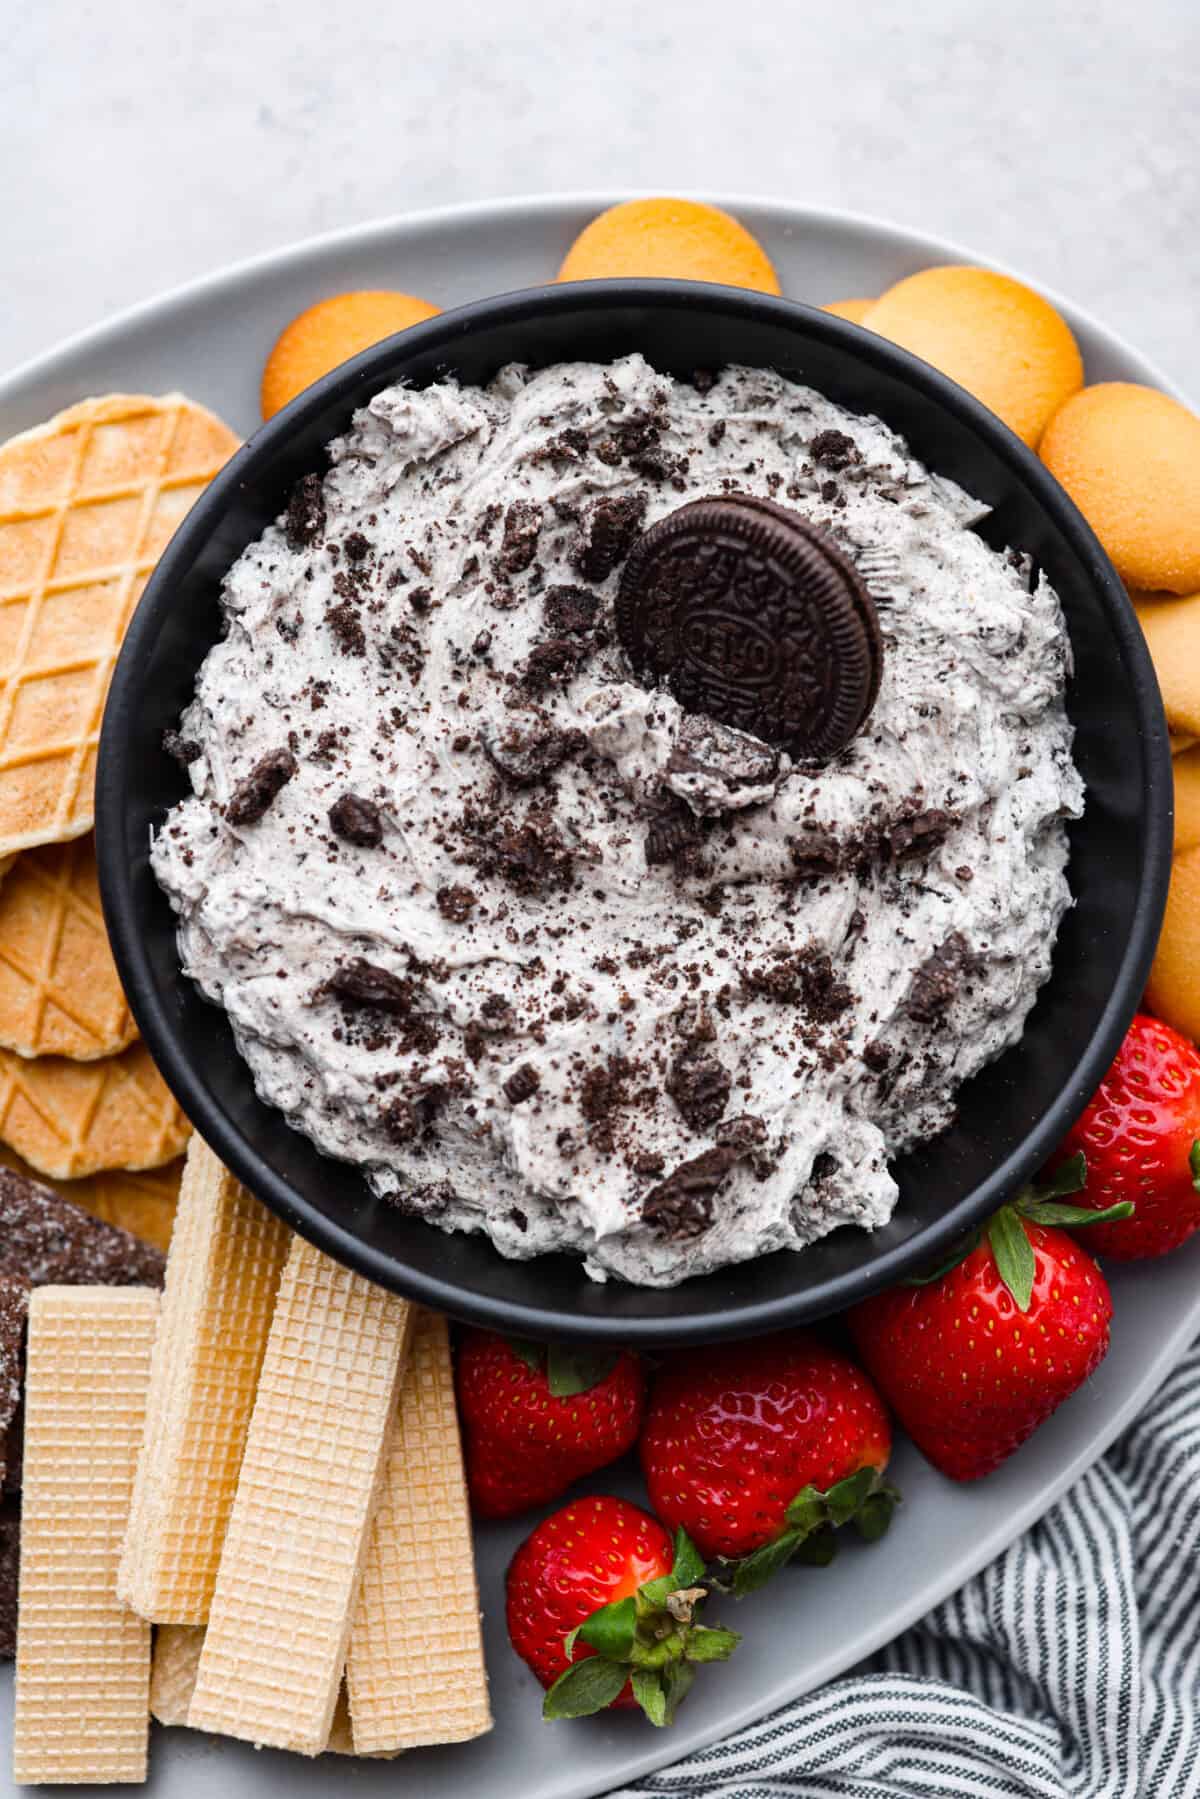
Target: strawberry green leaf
[(1052, 1211), (1194, 1164), (704, 1645), (609, 1631), (807, 1509), (845, 1497), (1015, 1261), (532, 1354), (875, 1514), (1070, 1177), (931, 1278), (583, 1688), (688, 1566), (819, 1549), (755, 1570), (677, 1680), (573, 1368), (648, 1690)]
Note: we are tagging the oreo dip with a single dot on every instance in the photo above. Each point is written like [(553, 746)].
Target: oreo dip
[(639, 914)]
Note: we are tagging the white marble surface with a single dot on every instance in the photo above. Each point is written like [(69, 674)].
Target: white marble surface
[(143, 145)]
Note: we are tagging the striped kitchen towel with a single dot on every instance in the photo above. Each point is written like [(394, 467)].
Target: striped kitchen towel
[(1069, 1669)]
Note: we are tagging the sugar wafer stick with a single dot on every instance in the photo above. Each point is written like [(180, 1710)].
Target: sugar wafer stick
[(223, 1273), (290, 1570), (177, 1649), (414, 1669), (83, 1661)]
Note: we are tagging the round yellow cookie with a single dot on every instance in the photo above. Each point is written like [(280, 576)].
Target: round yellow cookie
[(681, 240), (1172, 629), (993, 335), (331, 332), (854, 310), (1173, 990), (1187, 800), (1130, 459)]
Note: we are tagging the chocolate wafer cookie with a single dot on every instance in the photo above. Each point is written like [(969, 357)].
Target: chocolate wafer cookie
[(749, 613)]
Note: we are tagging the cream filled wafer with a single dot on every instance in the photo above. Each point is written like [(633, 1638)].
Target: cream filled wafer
[(296, 1542), (414, 1670), (222, 1277), (83, 1660)]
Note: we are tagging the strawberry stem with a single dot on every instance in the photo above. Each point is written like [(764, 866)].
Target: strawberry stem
[(863, 1498)]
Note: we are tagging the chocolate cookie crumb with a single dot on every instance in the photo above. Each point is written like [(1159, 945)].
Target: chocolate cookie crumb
[(700, 1085), (570, 611), (836, 449), (609, 529), (518, 546), (304, 520), (681, 1206), (939, 978), (346, 626), (357, 820), (522, 1084), (456, 903), (183, 750), (252, 797)]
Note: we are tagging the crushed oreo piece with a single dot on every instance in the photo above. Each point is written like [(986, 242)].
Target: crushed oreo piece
[(252, 798), (553, 663), (304, 520), (518, 545), (570, 611), (357, 547), (835, 449), (670, 836), (183, 750), (522, 1084), (347, 629), (530, 856), (804, 977), (363, 983), (700, 1085), (680, 1207), (10, 1559), (917, 833), (456, 903), (609, 529), (357, 821), (527, 748), (937, 981)]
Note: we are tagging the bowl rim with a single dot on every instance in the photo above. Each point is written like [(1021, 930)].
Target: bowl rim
[(382, 363)]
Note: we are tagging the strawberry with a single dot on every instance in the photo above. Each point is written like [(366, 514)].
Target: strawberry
[(975, 1356), (537, 1417), (758, 1448), (1141, 1136), (602, 1606)]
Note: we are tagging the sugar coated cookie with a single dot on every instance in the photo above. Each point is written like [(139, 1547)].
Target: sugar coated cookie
[(681, 240), (993, 335), (331, 332), (1172, 629), (1130, 459), (1173, 990)]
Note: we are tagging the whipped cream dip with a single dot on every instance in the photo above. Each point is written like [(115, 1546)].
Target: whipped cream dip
[(548, 956)]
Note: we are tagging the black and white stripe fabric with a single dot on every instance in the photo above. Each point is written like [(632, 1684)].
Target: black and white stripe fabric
[(1069, 1669)]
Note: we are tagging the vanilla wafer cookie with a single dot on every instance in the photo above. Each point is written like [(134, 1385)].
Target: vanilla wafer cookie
[(83, 1662), (60, 994), (296, 1542), (414, 1669), (87, 503), (222, 1277), (74, 1118)]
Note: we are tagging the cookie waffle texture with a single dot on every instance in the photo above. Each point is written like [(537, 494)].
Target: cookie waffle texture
[(177, 1651), (83, 1660), (222, 1277), (59, 990), (297, 1537), (88, 501), (75, 1118), (415, 1671)]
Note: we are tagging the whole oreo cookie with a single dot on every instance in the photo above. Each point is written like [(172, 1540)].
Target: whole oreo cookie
[(747, 612)]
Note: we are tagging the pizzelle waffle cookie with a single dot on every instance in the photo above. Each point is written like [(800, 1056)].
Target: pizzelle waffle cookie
[(222, 1277), (83, 1660), (75, 1118), (87, 503), (280, 1618), (59, 990), (415, 1671)]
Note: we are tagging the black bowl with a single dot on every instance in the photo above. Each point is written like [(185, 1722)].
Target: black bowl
[(1010, 1116)]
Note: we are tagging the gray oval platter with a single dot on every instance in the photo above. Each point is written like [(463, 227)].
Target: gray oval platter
[(210, 339)]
